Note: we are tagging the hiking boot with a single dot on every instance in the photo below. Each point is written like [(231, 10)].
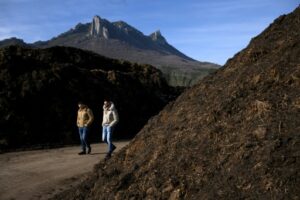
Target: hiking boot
[(113, 148), (108, 156), (89, 150), (82, 153)]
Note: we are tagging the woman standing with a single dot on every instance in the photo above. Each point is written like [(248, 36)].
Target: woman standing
[(110, 119)]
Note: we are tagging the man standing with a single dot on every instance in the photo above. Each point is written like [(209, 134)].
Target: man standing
[(110, 119), (85, 118)]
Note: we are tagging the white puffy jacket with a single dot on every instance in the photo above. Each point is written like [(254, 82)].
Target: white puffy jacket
[(110, 116)]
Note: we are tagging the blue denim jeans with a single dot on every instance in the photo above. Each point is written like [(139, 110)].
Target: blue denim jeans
[(107, 137), (83, 132)]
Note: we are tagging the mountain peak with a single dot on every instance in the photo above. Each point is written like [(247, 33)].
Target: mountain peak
[(99, 27), (157, 37), (12, 41), (96, 17)]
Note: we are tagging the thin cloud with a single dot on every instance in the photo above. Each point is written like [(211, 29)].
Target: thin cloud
[(5, 33), (4, 30), (32, 32)]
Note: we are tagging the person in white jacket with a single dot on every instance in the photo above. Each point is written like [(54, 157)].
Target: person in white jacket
[(110, 119)]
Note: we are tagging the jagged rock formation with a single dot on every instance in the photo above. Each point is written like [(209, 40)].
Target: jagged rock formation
[(157, 37), (40, 89), (234, 135), (98, 28), (121, 41)]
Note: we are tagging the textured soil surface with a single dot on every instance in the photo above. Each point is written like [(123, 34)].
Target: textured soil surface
[(234, 135), (40, 174)]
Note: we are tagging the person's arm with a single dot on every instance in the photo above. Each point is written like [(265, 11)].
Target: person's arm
[(77, 119), (116, 118), (103, 120), (91, 117)]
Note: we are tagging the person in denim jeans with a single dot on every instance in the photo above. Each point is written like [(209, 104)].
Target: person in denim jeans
[(110, 119), (85, 118)]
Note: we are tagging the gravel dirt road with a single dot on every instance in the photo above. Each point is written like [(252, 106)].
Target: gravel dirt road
[(40, 174)]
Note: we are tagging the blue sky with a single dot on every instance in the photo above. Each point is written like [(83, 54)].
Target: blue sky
[(206, 30)]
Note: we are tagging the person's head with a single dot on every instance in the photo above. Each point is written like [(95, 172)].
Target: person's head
[(81, 105), (107, 103)]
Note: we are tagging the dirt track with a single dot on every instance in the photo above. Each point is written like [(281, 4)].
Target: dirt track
[(40, 174)]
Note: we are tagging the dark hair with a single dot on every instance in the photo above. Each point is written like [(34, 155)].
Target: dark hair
[(106, 99)]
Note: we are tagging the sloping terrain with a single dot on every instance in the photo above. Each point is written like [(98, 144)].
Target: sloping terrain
[(40, 89), (234, 135)]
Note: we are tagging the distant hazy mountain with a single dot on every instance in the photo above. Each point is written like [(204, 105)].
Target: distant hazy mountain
[(13, 41), (121, 41)]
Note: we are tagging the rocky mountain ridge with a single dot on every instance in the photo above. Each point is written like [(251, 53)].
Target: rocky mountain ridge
[(119, 40)]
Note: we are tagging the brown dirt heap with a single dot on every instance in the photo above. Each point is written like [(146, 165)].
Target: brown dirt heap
[(235, 135)]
